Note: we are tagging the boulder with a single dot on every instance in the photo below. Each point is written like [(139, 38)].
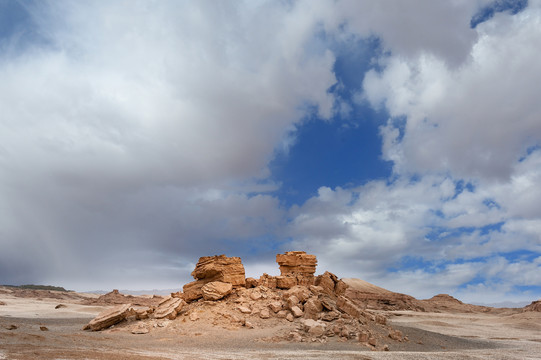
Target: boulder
[(298, 264), (169, 308), (251, 283), (110, 317), (286, 282), (327, 281), (296, 311), (330, 316), (220, 268), (264, 313), (214, 268), (275, 306), (347, 306), (312, 308), (216, 290), (314, 328), (267, 281), (301, 292), (292, 301), (142, 312), (193, 291)]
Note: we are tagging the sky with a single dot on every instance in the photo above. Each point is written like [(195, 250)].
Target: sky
[(400, 142)]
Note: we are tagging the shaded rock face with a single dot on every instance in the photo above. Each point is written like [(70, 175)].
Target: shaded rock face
[(534, 306), (296, 268), (214, 268)]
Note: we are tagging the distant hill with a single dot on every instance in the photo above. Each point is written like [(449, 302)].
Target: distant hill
[(38, 287)]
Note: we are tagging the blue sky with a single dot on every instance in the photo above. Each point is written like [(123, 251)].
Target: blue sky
[(398, 141)]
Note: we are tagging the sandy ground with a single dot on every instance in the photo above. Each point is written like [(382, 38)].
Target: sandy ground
[(431, 336)]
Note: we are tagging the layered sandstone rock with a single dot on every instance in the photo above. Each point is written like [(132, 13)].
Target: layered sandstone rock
[(215, 290), (110, 317), (169, 308), (296, 268), (534, 306), (214, 268), (297, 262)]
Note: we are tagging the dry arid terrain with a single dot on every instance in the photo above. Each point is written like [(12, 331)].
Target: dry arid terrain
[(341, 319)]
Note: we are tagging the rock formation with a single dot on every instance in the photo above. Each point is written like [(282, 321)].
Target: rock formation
[(214, 268), (534, 306), (296, 268), (316, 309)]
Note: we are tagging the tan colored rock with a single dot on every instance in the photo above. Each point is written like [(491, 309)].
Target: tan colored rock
[(314, 328), (290, 317), (140, 329), (193, 316), (110, 317), (256, 294), (214, 268), (286, 282), (264, 313), (330, 316), (534, 306), (220, 268), (312, 309), (267, 281), (327, 302), (142, 312), (216, 290), (244, 309), (282, 314), (275, 306), (296, 311), (347, 306), (292, 301), (340, 288), (251, 283), (396, 335), (192, 291), (364, 336), (169, 308), (301, 292), (296, 262), (327, 281), (380, 319)]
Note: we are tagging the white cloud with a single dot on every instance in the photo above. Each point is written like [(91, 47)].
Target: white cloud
[(476, 120)]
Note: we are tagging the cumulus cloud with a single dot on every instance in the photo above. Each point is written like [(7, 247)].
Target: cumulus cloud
[(477, 120)]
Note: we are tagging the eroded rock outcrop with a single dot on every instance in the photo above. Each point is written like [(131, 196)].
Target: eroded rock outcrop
[(214, 268), (534, 306)]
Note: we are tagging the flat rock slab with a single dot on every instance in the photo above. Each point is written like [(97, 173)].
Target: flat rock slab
[(169, 308), (110, 317)]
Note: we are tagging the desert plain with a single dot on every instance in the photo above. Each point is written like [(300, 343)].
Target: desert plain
[(249, 322)]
